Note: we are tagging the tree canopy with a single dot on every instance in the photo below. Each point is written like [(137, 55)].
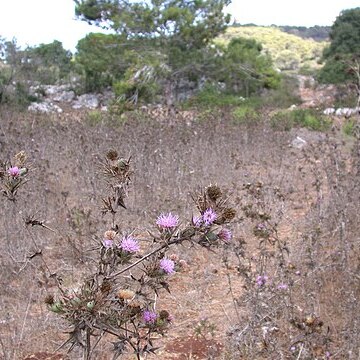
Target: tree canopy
[(187, 23), (344, 49), (168, 39)]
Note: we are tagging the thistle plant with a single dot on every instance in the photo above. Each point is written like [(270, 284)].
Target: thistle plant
[(119, 300), (273, 322), (13, 175)]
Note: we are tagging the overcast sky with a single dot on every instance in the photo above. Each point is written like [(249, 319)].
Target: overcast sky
[(33, 22)]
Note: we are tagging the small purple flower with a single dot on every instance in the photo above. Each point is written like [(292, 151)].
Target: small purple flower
[(167, 221), (282, 286), (261, 227), (167, 266), (107, 243), (129, 244), (261, 280), (14, 171), (225, 235), (149, 317), (209, 216)]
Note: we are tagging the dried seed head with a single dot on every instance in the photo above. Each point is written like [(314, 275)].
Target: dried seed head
[(164, 315), (309, 320), (20, 158), (126, 294), (110, 235), (105, 287), (174, 257), (228, 214), (49, 299), (112, 155), (214, 192)]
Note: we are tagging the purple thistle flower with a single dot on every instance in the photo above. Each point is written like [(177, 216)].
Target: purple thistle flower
[(261, 280), (14, 171), (149, 317), (108, 243), (209, 216), (167, 266), (167, 221), (129, 244), (225, 235)]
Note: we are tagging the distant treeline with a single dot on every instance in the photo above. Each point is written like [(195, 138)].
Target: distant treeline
[(317, 33)]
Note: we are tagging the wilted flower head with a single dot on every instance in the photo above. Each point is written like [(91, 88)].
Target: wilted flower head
[(225, 235), (261, 227), (167, 266), (108, 243), (261, 280), (282, 286), (14, 171), (126, 294), (110, 234), (165, 316), (209, 216), (167, 221), (109, 237), (149, 317), (197, 221), (129, 244)]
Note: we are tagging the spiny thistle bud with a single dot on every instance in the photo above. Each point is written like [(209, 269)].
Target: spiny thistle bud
[(56, 307), (122, 164), (112, 155), (90, 305), (211, 237), (23, 171), (214, 192)]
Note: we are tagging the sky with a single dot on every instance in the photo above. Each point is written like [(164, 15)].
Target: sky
[(33, 22)]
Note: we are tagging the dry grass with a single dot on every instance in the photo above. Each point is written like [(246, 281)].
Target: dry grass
[(319, 188)]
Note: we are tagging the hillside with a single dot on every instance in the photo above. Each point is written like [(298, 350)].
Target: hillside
[(289, 52)]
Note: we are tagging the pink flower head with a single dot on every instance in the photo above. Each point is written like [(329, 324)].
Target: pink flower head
[(108, 243), (261, 280), (149, 317), (129, 244), (225, 235), (167, 266), (14, 171), (209, 216), (167, 221)]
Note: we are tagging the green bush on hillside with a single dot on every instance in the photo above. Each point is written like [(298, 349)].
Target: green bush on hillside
[(308, 118)]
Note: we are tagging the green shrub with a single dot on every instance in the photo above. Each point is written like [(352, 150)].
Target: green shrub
[(212, 97), (349, 127), (284, 96), (281, 120), (308, 118), (245, 114), (94, 117)]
